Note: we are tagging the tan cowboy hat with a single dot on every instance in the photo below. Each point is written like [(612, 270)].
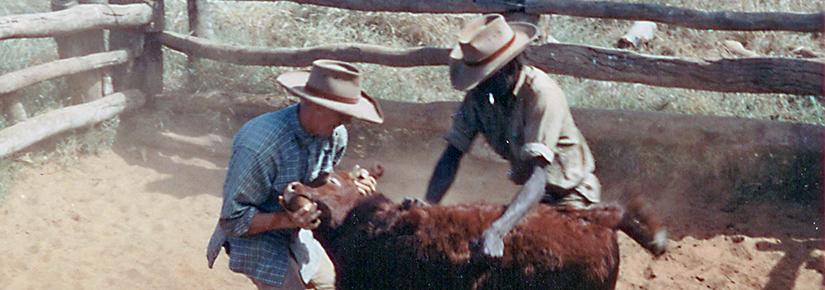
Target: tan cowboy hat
[(335, 85), (485, 45)]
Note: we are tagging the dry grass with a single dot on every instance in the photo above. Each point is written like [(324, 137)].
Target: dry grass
[(286, 24)]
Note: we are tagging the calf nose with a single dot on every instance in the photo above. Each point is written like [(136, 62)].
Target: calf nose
[(292, 187)]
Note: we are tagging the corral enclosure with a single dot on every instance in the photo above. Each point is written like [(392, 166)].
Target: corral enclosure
[(746, 191)]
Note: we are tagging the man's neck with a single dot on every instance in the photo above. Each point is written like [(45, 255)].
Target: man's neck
[(313, 122)]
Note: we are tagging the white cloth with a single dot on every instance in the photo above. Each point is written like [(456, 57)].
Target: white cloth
[(308, 253)]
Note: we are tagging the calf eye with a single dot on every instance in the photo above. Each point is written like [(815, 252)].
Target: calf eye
[(334, 181)]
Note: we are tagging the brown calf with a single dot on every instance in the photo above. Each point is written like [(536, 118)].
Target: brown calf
[(378, 244)]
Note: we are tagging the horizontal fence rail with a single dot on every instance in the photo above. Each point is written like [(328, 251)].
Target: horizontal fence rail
[(698, 19), (298, 57), (31, 131), (751, 75), (746, 75), (16, 80), (692, 18), (78, 18)]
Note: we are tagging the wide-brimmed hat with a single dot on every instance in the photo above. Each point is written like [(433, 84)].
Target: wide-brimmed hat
[(485, 45), (335, 85)]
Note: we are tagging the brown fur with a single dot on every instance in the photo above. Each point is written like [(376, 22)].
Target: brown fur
[(378, 244)]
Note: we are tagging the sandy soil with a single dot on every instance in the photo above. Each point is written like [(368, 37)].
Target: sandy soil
[(140, 217)]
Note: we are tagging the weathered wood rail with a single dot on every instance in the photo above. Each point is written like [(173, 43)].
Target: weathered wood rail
[(16, 80), (75, 19), (38, 128), (751, 75), (747, 75), (692, 18), (301, 57)]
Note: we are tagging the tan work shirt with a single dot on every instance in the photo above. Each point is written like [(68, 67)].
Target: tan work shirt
[(537, 124)]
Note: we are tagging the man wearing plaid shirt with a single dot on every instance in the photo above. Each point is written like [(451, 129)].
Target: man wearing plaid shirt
[(297, 143)]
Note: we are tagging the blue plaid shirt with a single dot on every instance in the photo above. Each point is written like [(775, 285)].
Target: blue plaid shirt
[(268, 153)]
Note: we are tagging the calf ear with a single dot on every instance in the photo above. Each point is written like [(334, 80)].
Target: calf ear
[(377, 171)]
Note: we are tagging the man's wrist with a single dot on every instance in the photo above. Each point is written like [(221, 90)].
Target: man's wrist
[(495, 229), (281, 220)]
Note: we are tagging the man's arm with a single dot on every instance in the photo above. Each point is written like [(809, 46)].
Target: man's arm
[(306, 218), (247, 186), (529, 195), (444, 174)]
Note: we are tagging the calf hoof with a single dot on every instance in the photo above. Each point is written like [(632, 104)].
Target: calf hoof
[(658, 245)]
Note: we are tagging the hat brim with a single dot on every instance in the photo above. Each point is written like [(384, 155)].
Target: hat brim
[(464, 76), (366, 108)]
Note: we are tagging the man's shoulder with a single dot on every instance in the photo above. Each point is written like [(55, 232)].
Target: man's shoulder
[(541, 85), (538, 79), (266, 129)]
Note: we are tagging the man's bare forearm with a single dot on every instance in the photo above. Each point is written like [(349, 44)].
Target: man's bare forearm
[(264, 222), (529, 195), (444, 174)]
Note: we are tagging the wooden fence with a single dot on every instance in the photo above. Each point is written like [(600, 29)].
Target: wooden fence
[(77, 28), (748, 75), (137, 34)]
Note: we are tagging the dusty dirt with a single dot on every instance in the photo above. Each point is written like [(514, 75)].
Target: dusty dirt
[(139, 217)]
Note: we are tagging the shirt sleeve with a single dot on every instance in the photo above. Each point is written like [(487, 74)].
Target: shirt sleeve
[(465, 126), (247, 186), (544, 118)]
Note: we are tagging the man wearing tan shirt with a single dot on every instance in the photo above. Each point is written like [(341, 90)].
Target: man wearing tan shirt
[(524, 116)]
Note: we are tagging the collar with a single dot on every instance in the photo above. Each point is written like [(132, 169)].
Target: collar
[(522, 78)]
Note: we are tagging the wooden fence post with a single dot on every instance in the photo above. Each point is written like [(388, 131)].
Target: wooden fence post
[(15, 112), (125, 77), (88, 86), (146, 72), (152, 57), (200, 25)]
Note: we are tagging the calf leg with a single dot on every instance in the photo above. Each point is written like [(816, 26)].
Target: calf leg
[(642, 225)]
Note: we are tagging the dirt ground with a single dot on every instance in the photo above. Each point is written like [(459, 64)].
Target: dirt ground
[(139, 217)]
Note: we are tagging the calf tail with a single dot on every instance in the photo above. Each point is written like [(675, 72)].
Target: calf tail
[(642, 225)]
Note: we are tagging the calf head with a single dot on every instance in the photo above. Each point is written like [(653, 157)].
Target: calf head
[(336, 195)]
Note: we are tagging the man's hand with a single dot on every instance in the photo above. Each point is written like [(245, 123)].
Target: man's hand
[(523, 202), (306, 217), (491, 243), (365, 182)]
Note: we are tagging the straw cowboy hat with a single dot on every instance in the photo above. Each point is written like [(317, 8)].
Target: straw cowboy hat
[(335, 85), (485, 45)]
